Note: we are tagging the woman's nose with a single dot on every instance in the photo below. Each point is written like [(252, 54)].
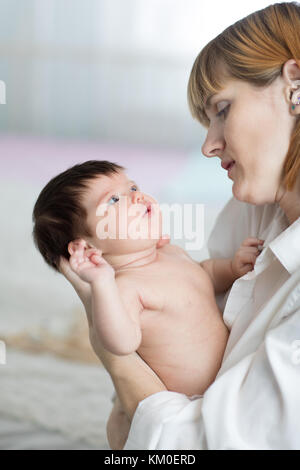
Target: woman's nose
[(213, 146)]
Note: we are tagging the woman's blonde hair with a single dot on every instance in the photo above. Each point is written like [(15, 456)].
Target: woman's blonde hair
[(254, 49)]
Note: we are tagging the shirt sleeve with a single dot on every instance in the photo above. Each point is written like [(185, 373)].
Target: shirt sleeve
[(167, 420), (254, 404)]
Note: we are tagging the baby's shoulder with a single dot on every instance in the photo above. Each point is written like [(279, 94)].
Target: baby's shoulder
[(176, 250), (129, 290), (125, 280), (170, 248)]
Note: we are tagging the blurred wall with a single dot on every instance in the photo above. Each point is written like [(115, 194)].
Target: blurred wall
[(106, 69)]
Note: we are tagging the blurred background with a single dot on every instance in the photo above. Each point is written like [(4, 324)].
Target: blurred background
[(88, 79)]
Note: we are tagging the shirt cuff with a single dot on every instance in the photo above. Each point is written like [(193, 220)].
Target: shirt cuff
[(159, 420)]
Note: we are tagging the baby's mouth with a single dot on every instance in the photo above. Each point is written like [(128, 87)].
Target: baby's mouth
[(148, 209)]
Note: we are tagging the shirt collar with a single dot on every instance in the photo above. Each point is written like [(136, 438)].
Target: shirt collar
[(286, 247)]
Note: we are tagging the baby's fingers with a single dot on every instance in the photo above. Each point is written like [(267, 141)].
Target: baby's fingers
[(252, 241), (94, 255), (251, 258), (77, 259), (250, 249)]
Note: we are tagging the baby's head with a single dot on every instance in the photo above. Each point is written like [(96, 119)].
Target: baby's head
[(86, 204)]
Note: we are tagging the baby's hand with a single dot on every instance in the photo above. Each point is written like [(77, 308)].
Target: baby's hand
[(245, 257), (90, 265)]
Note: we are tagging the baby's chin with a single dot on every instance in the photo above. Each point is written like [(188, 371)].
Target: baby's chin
[(129, 245)]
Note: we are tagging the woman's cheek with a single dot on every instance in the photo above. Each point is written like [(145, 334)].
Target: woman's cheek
[(234, 128)]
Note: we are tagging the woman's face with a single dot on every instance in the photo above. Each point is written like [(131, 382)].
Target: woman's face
[(253, 131)]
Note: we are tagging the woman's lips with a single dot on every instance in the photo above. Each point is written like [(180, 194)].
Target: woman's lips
[(227, 165), (230, 167)]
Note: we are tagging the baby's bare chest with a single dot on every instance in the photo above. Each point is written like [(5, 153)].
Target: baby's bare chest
[(179, 316), (176, 288)]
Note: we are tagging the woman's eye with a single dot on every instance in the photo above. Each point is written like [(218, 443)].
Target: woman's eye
[(224, 111), (134, 188)]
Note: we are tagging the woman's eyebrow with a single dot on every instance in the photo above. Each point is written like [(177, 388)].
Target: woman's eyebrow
[(208, 103)]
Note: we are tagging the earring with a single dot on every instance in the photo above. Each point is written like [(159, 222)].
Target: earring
[(296, 101), (295, 95)]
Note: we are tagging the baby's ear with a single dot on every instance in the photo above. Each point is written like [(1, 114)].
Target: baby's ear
[(75, 245)]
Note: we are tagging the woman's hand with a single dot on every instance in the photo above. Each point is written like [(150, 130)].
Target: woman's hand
[(117, 427)]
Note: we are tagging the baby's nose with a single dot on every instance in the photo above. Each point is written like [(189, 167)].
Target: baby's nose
[(137, 197)]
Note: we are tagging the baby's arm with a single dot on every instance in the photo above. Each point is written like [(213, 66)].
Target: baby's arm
[(223, 272), (220, 272), (117, 327)]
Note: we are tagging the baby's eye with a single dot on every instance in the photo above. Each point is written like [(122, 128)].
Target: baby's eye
[(114, 199)]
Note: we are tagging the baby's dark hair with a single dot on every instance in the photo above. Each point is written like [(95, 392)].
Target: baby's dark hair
[(58, 215)]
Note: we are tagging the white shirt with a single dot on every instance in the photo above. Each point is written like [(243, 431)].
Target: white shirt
[(254, 402)]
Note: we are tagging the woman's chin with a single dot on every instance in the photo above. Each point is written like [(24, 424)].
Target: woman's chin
[(237, 193), (241, 194), (250, 196)]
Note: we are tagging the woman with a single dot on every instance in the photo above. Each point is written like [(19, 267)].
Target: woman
[(244, 88)]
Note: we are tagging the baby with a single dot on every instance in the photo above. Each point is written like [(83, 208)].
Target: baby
[(158, 302)]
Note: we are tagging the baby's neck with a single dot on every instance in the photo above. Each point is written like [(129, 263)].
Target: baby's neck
[(132, 260)]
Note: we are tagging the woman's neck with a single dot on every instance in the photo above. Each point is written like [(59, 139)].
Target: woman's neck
[(289, 201)]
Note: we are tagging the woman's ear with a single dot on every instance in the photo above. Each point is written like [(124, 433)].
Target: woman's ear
[(75, 245)]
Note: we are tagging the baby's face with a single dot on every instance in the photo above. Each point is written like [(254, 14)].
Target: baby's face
[(122, 218)]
